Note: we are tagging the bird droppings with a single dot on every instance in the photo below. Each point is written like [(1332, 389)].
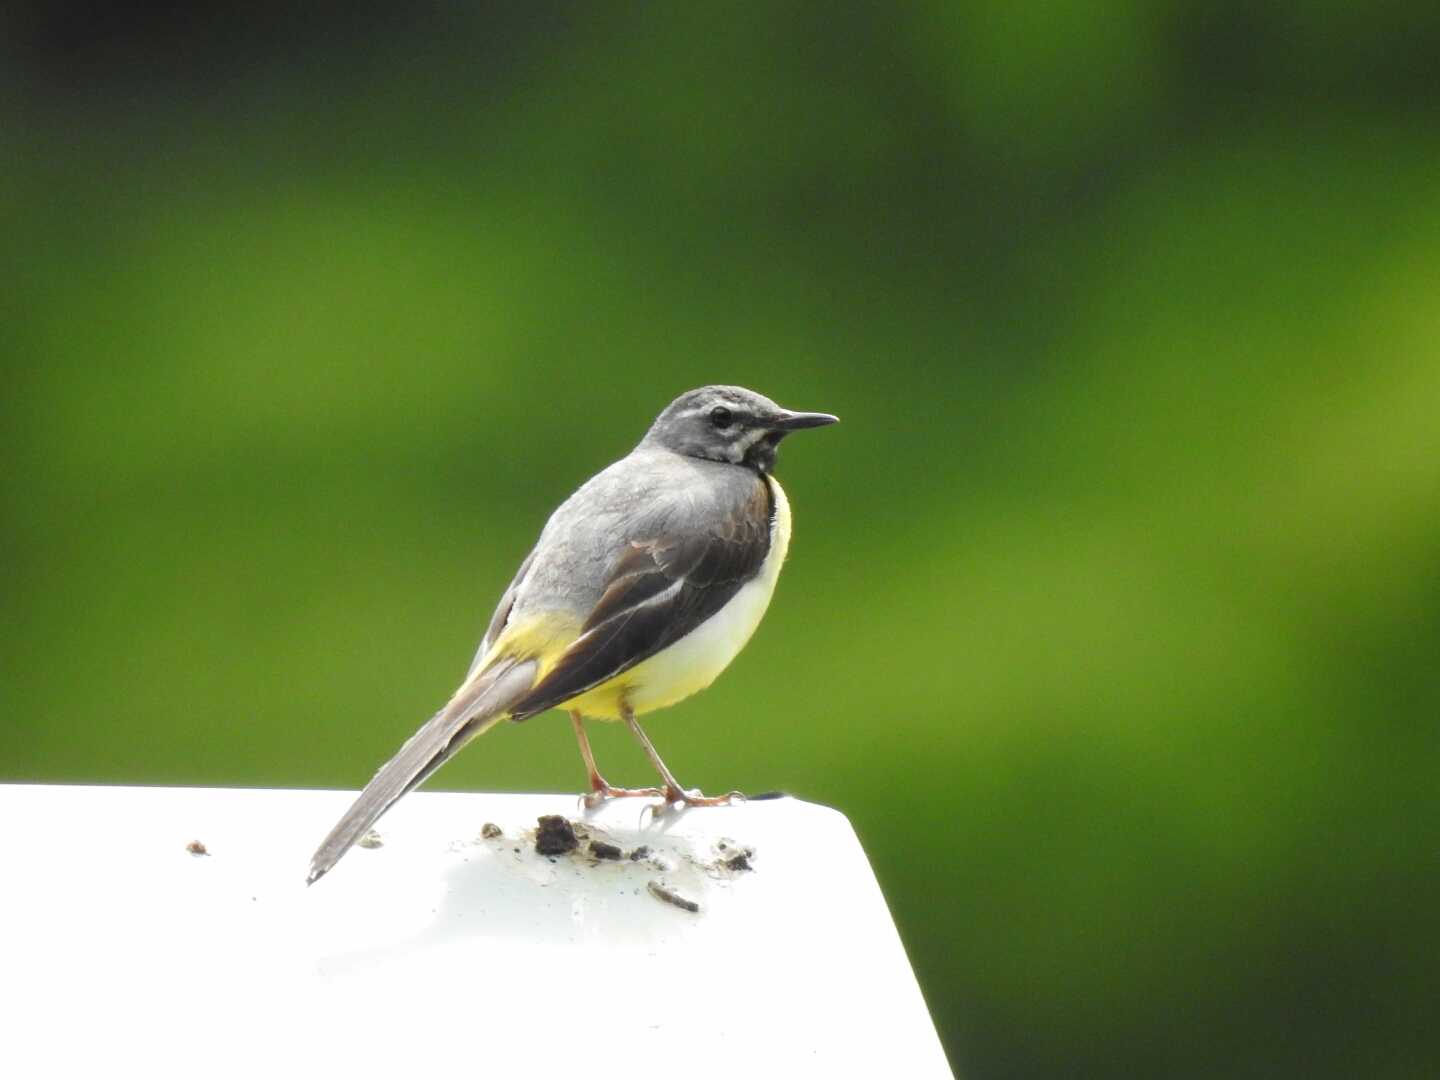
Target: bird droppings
[(370, 841), (736, 858), (491, 831), (601, 850), (555, 836), (648, 856), (195, 847), (739, 862), (669, 896), (733, 857)]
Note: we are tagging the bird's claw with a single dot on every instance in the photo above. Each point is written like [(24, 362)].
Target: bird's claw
[(603, 792), (696, 797)]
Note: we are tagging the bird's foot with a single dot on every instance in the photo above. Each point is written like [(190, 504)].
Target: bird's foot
[(675, 796), (603, 791)]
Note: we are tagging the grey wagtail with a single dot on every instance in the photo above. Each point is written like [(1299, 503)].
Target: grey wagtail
[(642, 588)]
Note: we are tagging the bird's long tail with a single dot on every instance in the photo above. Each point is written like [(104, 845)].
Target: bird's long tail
[(481, 703)]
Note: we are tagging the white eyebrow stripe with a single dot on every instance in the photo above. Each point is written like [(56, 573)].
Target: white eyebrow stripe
[(698, 410)]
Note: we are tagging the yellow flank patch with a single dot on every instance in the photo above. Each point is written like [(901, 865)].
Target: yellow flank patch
[(539, 637), (546, 638), (603, 702)]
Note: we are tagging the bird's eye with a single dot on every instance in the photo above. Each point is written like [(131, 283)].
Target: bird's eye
[(720, 416)]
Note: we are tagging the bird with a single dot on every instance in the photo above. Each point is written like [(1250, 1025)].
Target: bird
[(642, 588)]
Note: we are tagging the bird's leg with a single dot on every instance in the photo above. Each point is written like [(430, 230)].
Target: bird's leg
[(600, 788), (674, 793)]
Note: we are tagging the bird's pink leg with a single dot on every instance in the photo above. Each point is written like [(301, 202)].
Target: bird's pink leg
[(673, 792), (600, 788)]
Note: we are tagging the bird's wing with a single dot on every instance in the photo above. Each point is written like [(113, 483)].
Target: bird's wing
[(662, 587), (500, 617)]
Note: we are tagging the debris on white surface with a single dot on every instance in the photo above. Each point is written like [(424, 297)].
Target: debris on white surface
[(691, 938), (671, 897)]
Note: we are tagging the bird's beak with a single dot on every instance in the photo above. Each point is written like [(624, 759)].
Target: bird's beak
[(794, 421)]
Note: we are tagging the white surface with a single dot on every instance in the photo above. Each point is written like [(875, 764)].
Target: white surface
[(440, 952)]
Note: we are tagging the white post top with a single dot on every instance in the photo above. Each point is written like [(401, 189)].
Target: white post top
[(443, 952)]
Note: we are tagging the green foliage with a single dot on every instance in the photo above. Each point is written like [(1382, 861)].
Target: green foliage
[(1111, 613)]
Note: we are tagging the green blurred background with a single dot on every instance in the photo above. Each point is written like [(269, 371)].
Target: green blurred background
[(1113, 609)]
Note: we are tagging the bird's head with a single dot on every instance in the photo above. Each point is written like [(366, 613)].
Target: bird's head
[(730, 424)]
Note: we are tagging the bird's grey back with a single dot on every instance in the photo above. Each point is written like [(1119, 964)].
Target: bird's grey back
[(651, 493)]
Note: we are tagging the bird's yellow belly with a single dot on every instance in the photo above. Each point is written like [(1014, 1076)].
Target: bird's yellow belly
[(692, 663)]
